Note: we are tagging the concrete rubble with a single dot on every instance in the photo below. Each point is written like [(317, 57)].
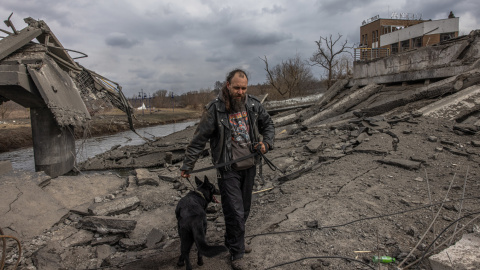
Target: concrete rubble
[(360, 174), (462, 255)]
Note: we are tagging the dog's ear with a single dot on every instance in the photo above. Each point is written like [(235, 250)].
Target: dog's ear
[(205, 180), (198, 182)]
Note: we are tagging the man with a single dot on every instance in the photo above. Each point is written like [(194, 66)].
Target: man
[(233, 123)]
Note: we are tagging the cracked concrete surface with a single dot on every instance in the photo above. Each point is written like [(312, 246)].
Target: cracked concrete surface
[(26, 209)]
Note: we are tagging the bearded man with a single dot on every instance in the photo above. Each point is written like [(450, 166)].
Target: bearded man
[(236, 125)]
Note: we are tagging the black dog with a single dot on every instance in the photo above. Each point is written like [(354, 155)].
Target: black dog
[(192, 223)]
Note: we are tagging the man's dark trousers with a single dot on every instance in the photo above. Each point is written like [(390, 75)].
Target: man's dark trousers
[(236, 191)]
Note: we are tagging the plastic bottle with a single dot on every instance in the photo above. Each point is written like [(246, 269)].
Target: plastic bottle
[(383, 259)]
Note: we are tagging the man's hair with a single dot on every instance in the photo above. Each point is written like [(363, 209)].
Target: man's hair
[(225, 92)]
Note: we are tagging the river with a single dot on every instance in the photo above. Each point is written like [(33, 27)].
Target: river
[(23, 159)]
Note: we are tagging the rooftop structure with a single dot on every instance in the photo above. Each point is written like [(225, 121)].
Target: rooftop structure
[(381, 37)]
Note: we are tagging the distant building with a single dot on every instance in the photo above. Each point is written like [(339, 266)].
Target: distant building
[(382, 37)]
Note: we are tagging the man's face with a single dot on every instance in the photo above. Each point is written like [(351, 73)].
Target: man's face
[(238, 86)]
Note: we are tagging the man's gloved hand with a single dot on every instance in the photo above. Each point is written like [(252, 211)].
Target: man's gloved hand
[(184, 174), (263, 147)]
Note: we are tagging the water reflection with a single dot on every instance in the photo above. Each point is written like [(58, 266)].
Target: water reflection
[(23, 159)]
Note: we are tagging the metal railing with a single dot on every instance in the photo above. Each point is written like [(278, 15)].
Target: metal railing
[(365, 54)]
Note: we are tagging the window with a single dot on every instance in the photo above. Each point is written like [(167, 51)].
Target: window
[(394, 48), (417, 42), (376, 33), (447, 36), (373, 36), (405, 45)]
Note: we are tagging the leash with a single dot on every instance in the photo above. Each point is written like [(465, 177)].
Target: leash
[(258, 152), (224, 164)]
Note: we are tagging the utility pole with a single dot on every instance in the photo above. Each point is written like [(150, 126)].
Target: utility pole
[(173, 103), (142, 95), (150, 103)]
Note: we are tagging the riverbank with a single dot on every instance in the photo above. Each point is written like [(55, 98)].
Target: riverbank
[(16, 133)]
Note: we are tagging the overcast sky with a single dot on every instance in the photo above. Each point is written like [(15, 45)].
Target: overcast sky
[(187, 45)]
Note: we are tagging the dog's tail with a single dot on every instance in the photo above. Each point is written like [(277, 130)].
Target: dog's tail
[(202, 245)]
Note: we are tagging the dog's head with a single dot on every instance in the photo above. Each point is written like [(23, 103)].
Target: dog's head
[(207, 189)]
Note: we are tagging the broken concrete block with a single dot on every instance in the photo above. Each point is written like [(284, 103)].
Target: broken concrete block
[(456, 152), (81, 238), (476, 143), (314, 145), (330, 156), (462, 255), (48, 257), (377, 144), (115, 207), (103, 251), (5, 166), (402, 163), (145, 177), (361, 137), (168, 157), (312, 224), (107, 240), (106, 225), (132, 244), (432, 139), (155, 237)]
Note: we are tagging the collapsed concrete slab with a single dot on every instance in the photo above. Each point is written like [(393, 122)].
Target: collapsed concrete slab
[(77, 193), (462, 255), (402, 163), (43, 77), (22, 202), (443, 60), (455, 106), (106, 225), (115, 207)]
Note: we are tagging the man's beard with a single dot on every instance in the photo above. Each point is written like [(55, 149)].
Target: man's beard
[(238, 105)]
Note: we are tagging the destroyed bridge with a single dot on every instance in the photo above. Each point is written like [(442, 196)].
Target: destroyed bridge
[(60, 93)]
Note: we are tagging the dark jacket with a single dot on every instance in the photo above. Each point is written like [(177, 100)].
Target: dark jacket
[(214, 127)]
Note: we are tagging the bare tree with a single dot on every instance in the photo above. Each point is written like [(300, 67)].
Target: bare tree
[(289, 76), (5, 109), (344, 67), (327, 54)]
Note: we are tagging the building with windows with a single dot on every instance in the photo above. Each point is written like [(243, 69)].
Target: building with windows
[(382, 37)]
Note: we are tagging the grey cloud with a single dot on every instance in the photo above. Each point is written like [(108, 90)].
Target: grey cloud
[(120, 40), (143, 73), (333, 7), (260, 39), (441, 8), (37, 10), (217, 57), (274, 10)]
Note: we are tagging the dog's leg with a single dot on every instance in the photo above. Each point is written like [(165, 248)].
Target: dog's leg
[(185, 246), (199, 256), (199, 259)]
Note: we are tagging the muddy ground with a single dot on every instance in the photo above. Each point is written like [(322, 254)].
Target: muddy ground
[(361, 186)]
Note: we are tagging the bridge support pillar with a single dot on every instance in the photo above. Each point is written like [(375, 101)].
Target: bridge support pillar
[(53, 145)]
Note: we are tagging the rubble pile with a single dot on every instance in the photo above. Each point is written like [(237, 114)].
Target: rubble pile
[(375, 170)]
